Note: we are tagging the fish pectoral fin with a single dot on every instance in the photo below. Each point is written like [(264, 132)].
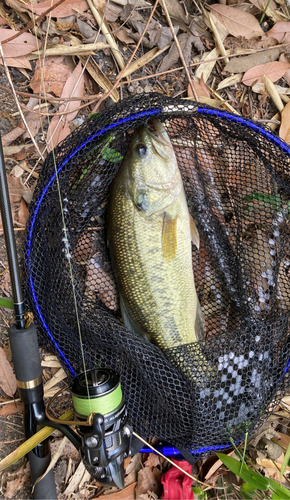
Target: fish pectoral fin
[(169, 236), (194, 232), (199, 322)]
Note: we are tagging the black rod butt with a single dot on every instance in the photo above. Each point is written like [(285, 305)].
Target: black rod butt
[(45, 489)]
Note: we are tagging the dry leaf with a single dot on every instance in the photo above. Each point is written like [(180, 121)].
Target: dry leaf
[(11, 408), (112, 11), (5, 283), (12, 136), (274, 71), (33, 119), (244, 63), (259, 88), (185, 42), (145, 59), (268, 463), (18, 6), (99, 4), (177, 14), (85, 29), (20, 46), (153, 460), (16, 150), (237, 22), (161, 36), (23, 213), (64, 10), (146, 482), (60, 375), (52, 76), (123, 36), (22, 477), (209, 59), (231, 80), (261, 4), (272, 92), (95, 72), (281, 32), (125, 494), (7, 378), (286, 75), (272, 11), (284, 131), (17, 62), (283, 439), (59, 128), (17, 191), (76, 479), (132, 469), (134, 463), (200, 91)]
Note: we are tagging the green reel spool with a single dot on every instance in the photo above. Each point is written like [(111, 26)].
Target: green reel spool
[(98, 391)]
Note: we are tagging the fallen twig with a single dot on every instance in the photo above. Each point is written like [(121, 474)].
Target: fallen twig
[(179, 48), (33, 22), (105, 96)]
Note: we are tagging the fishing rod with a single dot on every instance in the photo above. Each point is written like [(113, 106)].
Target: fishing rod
[(104, 438), (28, 369)]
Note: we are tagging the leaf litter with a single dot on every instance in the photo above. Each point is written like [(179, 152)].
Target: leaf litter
[(235, 61)]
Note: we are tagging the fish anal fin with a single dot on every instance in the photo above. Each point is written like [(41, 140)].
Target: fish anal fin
[(169, 236), (194, 232)]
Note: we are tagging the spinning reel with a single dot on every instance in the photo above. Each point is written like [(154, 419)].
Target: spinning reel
[(103, 436)]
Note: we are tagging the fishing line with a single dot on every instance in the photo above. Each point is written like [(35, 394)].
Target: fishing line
[(174, 464), (64, 227)]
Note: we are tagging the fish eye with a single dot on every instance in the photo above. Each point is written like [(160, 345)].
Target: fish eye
[(141, 150)]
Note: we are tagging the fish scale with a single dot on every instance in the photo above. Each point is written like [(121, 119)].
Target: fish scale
[(157, 292)]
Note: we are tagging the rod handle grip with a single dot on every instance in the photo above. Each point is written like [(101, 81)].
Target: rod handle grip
[(26, 358)]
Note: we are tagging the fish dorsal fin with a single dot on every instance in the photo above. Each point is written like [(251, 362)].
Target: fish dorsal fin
[(194, 232), (169, 236)]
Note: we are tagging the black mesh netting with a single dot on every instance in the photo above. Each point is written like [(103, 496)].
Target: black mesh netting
[(236, 178)]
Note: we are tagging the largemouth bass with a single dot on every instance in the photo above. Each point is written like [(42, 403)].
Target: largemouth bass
[(149, 234)]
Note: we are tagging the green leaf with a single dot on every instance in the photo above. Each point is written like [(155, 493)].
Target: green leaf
[(112, 155), (280, 490), (244, 452), (94, 115), (285, 461), (248, 487), (6, 303), (260, 482), (263, 200), (247, 496), (248, 475), (196, 490)]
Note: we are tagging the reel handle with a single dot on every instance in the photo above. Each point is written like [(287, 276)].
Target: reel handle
[(94, 447)]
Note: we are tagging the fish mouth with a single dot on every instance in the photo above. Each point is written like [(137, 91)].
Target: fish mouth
[(155, 131)]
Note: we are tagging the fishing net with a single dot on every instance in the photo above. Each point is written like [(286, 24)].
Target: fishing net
[(237, 184)]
